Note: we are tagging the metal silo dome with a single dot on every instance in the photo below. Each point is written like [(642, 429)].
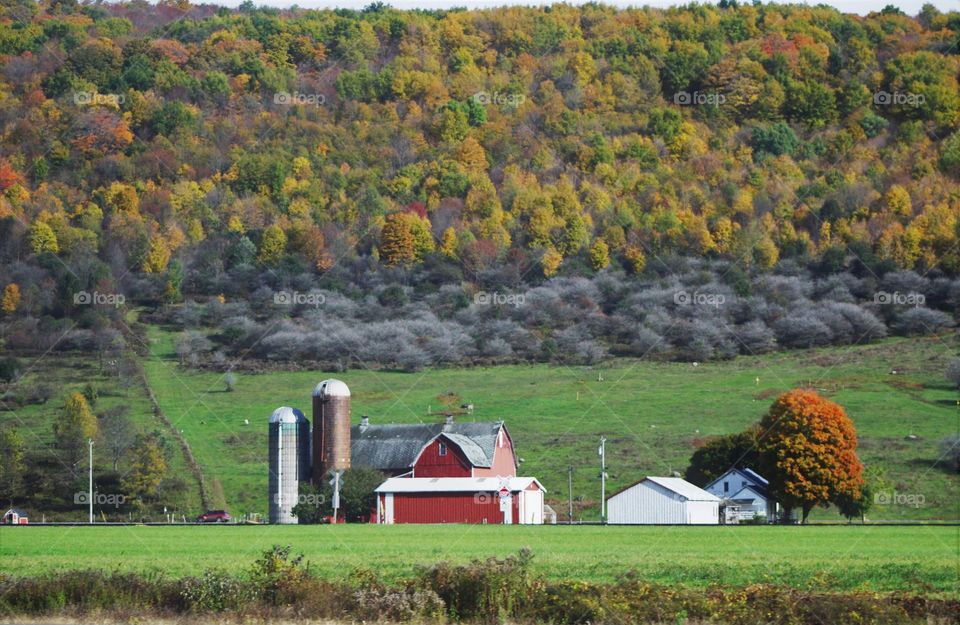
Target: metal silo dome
[(286, 414), (331, 388)]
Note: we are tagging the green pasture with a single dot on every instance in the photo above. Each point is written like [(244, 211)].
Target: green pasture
[(831, 558), (651, 413)]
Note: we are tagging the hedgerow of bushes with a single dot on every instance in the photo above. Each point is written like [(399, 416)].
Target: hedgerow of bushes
[(484, 592)]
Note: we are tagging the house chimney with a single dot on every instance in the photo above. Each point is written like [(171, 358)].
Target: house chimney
[(449, 421), (364, 422)]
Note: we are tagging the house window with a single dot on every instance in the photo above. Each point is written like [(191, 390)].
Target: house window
[(726, 487), (443, 449)]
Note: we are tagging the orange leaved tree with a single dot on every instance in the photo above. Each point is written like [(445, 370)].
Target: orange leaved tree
[(808, 451)]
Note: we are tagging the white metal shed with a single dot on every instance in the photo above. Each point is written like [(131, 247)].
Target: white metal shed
[(666, 500)]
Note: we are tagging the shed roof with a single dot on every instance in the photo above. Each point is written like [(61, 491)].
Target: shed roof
[(749, 493), (456, 484), (683, 488), (397, 446), (676, 485)]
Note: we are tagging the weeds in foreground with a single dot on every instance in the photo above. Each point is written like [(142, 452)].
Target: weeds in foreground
[(484, 592)]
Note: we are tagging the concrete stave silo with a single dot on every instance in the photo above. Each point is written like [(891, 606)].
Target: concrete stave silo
[(289, 461), (331, 428)]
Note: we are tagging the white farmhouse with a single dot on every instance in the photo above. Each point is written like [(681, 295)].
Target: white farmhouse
[(669, 500), (747, 490)]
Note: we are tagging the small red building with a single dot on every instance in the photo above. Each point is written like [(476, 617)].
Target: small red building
[(493, 500), (15, 516)]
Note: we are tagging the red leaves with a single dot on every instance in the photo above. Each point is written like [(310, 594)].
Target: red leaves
[(8, 175)]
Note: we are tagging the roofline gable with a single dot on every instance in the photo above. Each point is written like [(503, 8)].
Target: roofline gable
[(737, 470), (456, 444), (513, 448)]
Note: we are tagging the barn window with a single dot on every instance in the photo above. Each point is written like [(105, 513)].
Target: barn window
[(726, 487), (443, 449)]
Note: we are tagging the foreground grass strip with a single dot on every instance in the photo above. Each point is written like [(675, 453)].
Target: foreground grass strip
[(483, 592)]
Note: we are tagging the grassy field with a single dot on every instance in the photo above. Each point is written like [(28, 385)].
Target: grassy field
[(651, 413), (831, 558)]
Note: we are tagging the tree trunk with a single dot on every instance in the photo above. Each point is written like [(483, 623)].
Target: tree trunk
[(807, 507)]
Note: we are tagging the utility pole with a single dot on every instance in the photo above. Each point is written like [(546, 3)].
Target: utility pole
[(335, 503), (90, 494), (603, 479), (570, 494)]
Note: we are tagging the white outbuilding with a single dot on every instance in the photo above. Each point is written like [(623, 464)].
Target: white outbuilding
[(667, 500)]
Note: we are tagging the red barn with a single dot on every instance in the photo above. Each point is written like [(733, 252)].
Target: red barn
[(460, 500), (434, 449), (446, 473)]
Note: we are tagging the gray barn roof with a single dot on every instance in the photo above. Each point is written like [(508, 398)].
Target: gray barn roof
[(393, 447)]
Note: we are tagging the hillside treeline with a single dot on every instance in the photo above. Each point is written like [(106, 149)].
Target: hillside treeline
[(162, 152)]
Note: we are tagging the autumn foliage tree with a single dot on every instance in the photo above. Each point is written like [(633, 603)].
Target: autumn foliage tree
[(11, 298), (808, 452), (147, 469), (75, 426)]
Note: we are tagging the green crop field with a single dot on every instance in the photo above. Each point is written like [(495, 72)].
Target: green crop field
[(832, 558), (651, 413)]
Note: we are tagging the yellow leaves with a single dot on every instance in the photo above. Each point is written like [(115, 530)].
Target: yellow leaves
[(78, 423), (765, 253), (405, 238), (493, 228), (175, 237), (472, 155), (448, 243), (11, 298), (235, 225), (158, 255), (272, 245), (551, 261), (599, 255), (301, 168), (42, 238), (240, 82), (122, 198), (195, 231), (825, 236), (635, 256), (186, 197), (584, 68), (723, 232), (17, 194), (299, 209)]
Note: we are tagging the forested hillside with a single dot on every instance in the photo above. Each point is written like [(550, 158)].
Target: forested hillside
[(158, 154)]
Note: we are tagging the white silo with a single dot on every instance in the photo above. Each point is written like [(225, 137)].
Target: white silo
[(289, 461)]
